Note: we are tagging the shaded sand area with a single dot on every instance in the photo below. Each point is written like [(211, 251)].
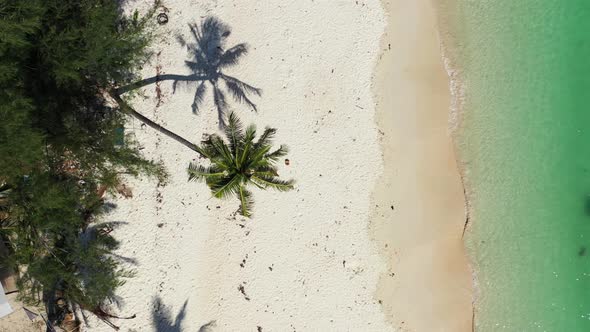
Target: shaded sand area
[(419, 203)]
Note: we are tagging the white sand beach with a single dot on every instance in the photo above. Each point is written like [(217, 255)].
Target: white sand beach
[(304, 261), (369, 240)]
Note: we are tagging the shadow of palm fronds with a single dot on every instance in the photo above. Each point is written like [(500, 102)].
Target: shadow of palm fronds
[(164, 322), (209, 59), (162, 317)]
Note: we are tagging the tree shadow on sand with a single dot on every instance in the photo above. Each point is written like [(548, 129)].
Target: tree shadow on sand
[(162, 317), (209, 58), (164, 322)]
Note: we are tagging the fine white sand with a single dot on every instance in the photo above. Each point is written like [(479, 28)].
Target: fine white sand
[(305, 261)]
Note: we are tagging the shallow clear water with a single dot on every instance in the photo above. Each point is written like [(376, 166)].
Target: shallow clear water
[(526, 148)]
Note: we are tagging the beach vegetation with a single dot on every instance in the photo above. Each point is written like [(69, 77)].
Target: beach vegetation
[(62, 141), (61, 147), (238, 162)]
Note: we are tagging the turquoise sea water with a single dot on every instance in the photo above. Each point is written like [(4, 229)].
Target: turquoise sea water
[(526, 146)]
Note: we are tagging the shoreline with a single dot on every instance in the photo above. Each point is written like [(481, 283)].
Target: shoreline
[(494, 59), (423, 196), (446, 18)]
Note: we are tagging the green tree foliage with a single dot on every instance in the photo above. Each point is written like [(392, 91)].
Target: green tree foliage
[(60, 141), (20, 143), (66, 251), (239, 163)]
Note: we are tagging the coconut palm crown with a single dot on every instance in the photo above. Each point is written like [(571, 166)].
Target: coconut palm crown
[(209, 59), (240, 162)]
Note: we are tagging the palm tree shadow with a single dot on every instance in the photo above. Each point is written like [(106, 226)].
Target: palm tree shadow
[(164, 322), (162, 317), (209, 58)]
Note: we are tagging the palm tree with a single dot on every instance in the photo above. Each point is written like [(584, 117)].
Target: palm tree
[(239, 163), (209, 59)]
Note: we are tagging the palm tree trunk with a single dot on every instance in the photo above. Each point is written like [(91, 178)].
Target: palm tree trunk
[(129, 110)]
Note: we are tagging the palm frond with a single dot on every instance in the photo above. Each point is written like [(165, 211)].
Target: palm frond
[(232, 56), (266, 171), (262, 147), (198, 99), (246, 201), (266, 137), (278, 153), (223, 151), (250, 133), (248, 139), (234, 133), (198, 172), (257, 156), (273, 182), (227, 186), (208, 148)]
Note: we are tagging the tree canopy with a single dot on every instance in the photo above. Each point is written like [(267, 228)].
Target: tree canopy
[(60, 141)]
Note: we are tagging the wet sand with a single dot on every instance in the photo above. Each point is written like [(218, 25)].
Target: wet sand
[(419, 205)]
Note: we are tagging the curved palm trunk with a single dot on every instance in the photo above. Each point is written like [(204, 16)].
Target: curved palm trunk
[(159, 78), (129, 110)]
